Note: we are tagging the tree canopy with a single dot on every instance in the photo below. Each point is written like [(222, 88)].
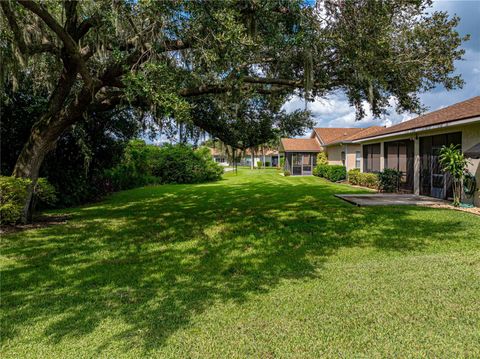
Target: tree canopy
[(92, 56)]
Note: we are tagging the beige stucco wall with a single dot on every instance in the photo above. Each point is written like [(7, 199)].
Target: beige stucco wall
[(470, 137), (334, 154)]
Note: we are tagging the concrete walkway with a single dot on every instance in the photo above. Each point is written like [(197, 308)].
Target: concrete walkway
[(389, 199)]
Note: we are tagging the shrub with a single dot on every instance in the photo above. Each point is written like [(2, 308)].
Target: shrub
[(370, 180), (454, 162), (44, 192), (13, 191), (322, 158), (389, 180), (354, 176), (144, 164), (135, 168), (259, 164), (333, 173), (267, 164), (286, 173), (181, 164), (336, 173), (320, 170), (282, 162)]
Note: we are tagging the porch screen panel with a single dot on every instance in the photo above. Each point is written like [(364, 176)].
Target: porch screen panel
[(371, 158), (433, 181), (391, 151), (296, 164)]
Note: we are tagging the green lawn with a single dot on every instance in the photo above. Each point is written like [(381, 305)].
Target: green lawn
[(256, 265)]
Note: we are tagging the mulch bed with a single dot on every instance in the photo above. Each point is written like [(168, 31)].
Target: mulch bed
[(38, 222), (473, 210)]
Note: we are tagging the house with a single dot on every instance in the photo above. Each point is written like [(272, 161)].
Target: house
[(219, 156), (301, 153), (268, 156), (413, 147)]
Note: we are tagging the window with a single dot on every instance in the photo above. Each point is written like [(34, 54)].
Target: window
[(371, 158), (343, 158), (358, 157)]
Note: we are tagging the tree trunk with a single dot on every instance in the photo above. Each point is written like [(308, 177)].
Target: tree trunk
[(41, 141), (46, 132), (263, 155), (252, 156)]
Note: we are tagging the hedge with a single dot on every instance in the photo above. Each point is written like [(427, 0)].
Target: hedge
[(333, 173), (389, 180), (370, 180)]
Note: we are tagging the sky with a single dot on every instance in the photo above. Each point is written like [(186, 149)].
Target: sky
[(334, 110)]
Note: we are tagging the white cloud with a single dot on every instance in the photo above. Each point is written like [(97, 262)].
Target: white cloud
[(335, 111)]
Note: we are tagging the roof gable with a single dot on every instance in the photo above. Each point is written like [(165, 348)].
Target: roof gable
[(300, 144), (327, 135)]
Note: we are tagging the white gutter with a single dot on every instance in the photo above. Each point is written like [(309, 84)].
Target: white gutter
[(421, 129)]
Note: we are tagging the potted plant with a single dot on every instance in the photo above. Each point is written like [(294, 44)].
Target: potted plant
[(454, 162)]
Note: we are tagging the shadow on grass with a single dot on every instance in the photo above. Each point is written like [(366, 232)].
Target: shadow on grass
[(156, 257)]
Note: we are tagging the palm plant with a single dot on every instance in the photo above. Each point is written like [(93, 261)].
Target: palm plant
[(454, 162)]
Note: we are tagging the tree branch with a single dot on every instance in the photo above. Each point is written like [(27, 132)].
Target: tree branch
[(25, 49), (70, 45), (86, 25)]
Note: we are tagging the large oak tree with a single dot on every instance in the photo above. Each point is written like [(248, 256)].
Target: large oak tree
[(93, 55)]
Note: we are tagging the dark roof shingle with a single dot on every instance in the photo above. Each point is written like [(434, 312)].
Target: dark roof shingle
[(459, 111), (300, 144), (332, 134)]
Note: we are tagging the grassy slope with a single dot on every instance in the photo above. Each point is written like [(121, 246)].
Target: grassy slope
[(255, 265)]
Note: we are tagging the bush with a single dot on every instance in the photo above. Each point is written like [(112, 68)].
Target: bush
[(12, 196), (282, 162), (322, 158), (286, 173), (354, 176), (336, 173), (333, 173), (135, 168), (389, 180), (320, 170), (181, 164), (13, 192), (370, 180), (259, 164), (267, 164), (144, 164), (44, 192)]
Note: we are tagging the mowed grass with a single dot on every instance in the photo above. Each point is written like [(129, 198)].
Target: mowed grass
[(256, 265)]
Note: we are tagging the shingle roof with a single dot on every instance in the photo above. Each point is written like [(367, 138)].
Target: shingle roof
[(332, 134), (364, 132), (459, 111), (300, 144)]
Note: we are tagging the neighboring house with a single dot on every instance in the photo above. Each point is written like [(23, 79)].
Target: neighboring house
[(341, 150), (269, 157), (413, 147), (301, 153), (219, 156)]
